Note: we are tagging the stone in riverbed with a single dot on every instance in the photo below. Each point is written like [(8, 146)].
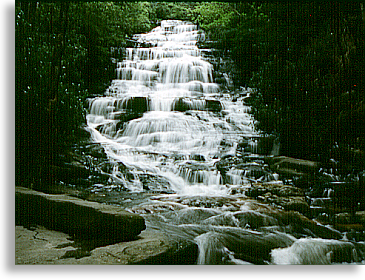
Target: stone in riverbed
[(291, 203), (288, 197), (213, 105), (292, 166), (276, 189)]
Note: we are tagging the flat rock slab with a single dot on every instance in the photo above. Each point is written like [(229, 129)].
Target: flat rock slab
[(41, 246), (82, 220)]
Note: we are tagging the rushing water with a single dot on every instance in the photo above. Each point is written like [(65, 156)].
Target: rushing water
[(165, 125)]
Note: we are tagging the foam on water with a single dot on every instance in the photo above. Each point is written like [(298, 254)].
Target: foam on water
[(314, 251), (165, 127), (153, 84)]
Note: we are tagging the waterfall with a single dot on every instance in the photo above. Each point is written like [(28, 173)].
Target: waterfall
[(153, 91), (170, 131)]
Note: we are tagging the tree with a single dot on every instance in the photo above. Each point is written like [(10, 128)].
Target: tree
[(63, 56), (305, 61)]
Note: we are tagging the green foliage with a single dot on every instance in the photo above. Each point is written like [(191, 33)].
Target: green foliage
[(214, 15), (136, 17), (305, 59), (171, 10), (301, 86), (63, 56), (237, 29)]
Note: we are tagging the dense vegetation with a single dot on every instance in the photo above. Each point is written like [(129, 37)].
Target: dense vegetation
[(306, 61), (63, 56)]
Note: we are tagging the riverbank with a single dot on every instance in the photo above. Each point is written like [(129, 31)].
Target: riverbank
[(35, 244), (60, 229), (39, 244)]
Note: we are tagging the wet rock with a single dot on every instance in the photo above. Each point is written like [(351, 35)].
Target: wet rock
[(350, 222), (242, 212), (299, 225), (292, 166), (281, 190), (155, 207), (201, 201), (218, 247), (180, 105), (154, 182), (191, 215), (126, 116), (213, 105), (287, 197), (138, 104), (197, 157), (194, 166), (253, 170), (225, 164), (291, 203), (294, 203), (81, 219), (176, 252)]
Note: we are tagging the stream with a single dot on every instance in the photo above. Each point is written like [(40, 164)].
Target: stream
[(169, 132)]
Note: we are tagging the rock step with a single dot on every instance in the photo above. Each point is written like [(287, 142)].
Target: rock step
[(292, 166), (83, 220)]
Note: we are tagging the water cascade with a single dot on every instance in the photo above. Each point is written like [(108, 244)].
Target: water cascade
[(180, 111), (166, 127)]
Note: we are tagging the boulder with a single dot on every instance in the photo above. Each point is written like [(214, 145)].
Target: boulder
[(154, 182), (83, 220), (126, 116), (292, 166), (180, 105), (281, 190), (213, 105), (287, 197), (198, 157), (137, 104)]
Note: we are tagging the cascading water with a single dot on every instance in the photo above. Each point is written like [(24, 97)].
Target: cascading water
[(168, 80), (165, 127)]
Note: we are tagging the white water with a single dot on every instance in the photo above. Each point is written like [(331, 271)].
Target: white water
[(171, 73), (315, 251), (164, 118)]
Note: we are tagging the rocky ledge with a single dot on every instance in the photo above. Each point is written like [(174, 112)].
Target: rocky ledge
[(42, 246), (83, 220), (60, 229)]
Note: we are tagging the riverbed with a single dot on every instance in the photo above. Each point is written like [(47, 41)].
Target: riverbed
[(182, 151)]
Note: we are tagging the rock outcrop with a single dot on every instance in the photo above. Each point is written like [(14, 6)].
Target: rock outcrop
[(83, 220), (43, 246)]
